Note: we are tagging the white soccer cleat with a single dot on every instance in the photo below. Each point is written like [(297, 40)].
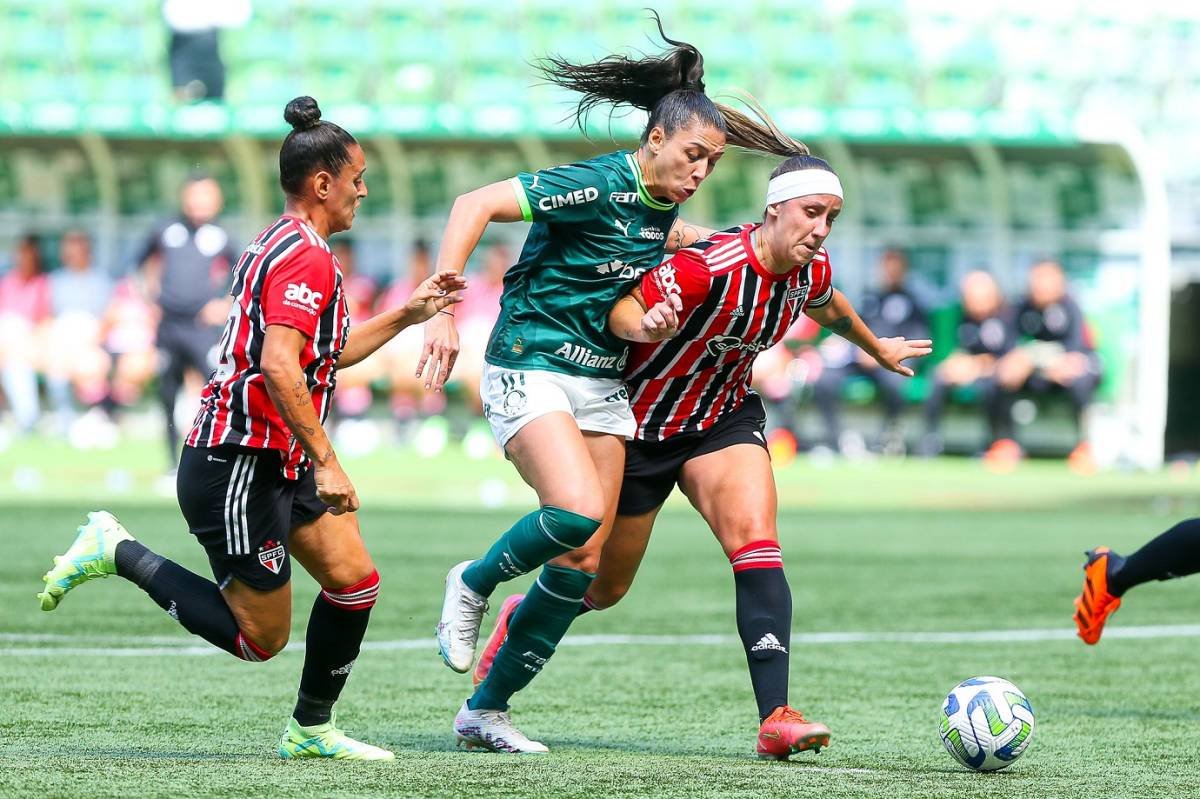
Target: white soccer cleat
[(462, 613), (493, 730)]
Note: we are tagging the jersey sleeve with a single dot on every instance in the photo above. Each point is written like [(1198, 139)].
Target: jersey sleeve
[(565, 194), (685, 274), (821, 292), (297, 289)]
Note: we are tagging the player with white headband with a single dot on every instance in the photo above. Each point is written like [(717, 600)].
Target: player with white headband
[(699, 424)]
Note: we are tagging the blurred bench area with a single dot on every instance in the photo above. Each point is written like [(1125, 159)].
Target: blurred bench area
[(970, 137)]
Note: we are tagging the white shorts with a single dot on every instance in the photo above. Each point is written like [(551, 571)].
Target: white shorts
[(514, 398)]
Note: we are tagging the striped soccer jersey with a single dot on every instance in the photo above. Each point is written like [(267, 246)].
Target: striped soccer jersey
[(288, 276), (733, 309)]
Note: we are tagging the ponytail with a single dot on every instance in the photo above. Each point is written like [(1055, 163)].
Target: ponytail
[(670, 87)]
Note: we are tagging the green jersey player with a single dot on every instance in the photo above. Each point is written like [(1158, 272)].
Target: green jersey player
[(551, 385)]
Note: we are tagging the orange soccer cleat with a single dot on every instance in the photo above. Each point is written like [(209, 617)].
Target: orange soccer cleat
[(785, 732), (496, 639), (1095, 604)]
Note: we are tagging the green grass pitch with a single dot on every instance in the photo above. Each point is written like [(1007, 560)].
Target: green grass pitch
[(108, 697)]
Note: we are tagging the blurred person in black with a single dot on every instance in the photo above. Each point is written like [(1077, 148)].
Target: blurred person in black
[(1055, 355), (197, 72), (193, 258), (984, 335), (891, 310)]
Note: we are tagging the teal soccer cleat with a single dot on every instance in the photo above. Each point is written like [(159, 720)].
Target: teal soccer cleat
[(326, 740), (93, 554)]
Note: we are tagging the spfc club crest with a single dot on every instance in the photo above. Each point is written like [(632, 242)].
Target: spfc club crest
[(797, 295), (271, 555)]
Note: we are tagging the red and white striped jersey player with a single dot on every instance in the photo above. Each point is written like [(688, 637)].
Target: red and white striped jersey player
[(697, 322)]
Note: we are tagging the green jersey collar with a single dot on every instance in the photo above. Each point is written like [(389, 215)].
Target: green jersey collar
[(644, 195)]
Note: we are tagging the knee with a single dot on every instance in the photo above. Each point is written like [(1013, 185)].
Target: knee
[(573, 526), (260, 643), (348, 571), (604, 595), (738, 534), (359, 595)]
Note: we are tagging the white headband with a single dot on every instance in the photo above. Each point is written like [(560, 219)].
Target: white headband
[(803, 182)]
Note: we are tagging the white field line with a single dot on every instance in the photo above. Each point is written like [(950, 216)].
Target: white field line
[(158, 646)]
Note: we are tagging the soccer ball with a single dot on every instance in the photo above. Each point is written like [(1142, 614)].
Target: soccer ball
[(987, 723)]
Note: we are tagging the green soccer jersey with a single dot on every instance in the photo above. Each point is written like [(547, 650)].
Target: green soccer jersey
[(595, 230)]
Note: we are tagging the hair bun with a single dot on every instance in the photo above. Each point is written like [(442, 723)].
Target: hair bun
[(302, 113)]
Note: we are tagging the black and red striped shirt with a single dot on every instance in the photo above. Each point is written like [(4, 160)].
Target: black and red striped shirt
[(733, 309), (288, 276)]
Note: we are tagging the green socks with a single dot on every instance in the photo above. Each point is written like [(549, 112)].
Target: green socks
[(536, 538), (534, 631)]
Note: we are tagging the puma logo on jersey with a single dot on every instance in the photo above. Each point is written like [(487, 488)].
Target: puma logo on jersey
[(536, 180), (625, 227), (303, 296)]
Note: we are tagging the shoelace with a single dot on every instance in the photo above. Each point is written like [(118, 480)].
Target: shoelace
[(474, 611)]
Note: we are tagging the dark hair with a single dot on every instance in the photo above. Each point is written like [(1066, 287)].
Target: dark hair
[(798, 162), (671, 88), (312, 145)]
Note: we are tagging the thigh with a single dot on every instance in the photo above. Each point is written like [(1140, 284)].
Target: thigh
[(237, 504), (331, 549), (265, 617), (734, 490)]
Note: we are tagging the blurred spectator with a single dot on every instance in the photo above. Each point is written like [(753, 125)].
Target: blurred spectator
[(353, 398), (128, 332), (475, 317), (191, 260), (1055, 356), (24, 308), (79, 295), (410, 402), (985, 333), (197, 72), (893, 310)]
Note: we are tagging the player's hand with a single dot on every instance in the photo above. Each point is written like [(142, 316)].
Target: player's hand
[(334, 488), (435, 293), (440, 351), (893, 351), (661, 322), (214, 312)]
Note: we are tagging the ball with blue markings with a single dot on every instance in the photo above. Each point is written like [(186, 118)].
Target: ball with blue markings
[(986, 723)]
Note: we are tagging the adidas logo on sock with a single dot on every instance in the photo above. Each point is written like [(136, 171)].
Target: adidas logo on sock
[(769, 641), (173, 611)]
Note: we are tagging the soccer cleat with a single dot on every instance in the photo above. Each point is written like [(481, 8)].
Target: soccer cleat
[(496, 640), (1095, 604), (462, 613), (326, 740), (785, 732), (92, 554), (493, 730)]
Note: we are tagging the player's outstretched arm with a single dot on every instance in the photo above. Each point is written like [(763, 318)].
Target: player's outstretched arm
[(289, 392), (434, 295), (631, 320), (469, 217), (839, 316)]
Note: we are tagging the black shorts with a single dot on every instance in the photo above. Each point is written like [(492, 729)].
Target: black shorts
[(652, 467), (241, 508)]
